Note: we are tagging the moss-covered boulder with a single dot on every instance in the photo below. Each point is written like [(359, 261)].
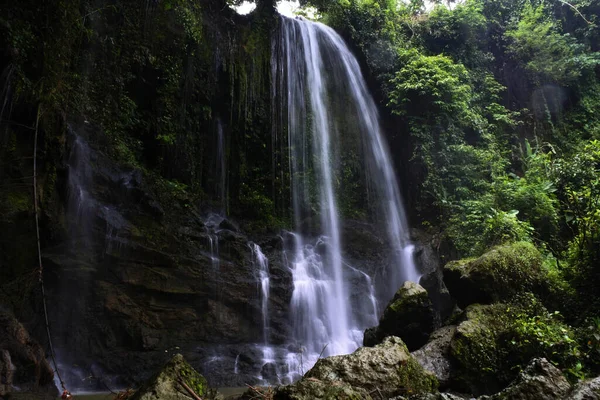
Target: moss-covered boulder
[(474, 348), (383, 371), (409, 315), (497, 275), (173, 382), (494, 342), (539, 381)]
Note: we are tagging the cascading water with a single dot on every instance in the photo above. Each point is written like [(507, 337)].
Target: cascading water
[(80, 203), (262, 263), (327, 101), (211, 225), (220, 166)]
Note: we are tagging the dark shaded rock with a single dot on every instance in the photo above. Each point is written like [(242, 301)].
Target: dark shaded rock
[(427, 259), (167, 383), (229, 225), (435, 355), (6, 372), (586, 390), (497, 275), (539, 381), (22, 360), (441, 300), (409, 315), (387, 369), (269, 372)]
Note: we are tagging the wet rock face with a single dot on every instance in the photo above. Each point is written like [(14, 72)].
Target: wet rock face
[(135, 272), (409, 316), (383, 371), (22, 360)]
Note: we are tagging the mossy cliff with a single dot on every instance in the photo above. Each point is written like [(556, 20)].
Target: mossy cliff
[(154, 96)]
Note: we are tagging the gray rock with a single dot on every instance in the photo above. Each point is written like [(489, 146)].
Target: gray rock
[(435, 355), (387, 369), (409, 315), (586, 390), (539, 381)]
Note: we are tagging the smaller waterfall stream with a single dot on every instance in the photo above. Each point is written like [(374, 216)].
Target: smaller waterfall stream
[(80, 202), (261, 262), (270, 370), (221, 171)]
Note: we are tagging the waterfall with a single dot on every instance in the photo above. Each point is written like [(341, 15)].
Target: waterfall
[(262, 264), (220, 168), (329, 106), (80, 204)]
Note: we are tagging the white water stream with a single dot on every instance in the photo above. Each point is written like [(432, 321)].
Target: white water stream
[(319, 73)]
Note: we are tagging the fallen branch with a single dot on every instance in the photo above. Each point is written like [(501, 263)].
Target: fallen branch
[(189, 389), (321, 353), (260, 393)]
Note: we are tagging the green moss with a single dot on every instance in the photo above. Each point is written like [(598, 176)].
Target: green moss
[(475, 348), (497, 275), (194, 380), (14, 203), (415, 379), (409, 297), (495, 342)]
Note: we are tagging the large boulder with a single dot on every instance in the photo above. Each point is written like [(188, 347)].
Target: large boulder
[(383, 371), (409, 316), (539, 381), (474, 349), (586, 390), (494, 342), (435, 355), (22, 360), (497, 275), (174, 382)]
